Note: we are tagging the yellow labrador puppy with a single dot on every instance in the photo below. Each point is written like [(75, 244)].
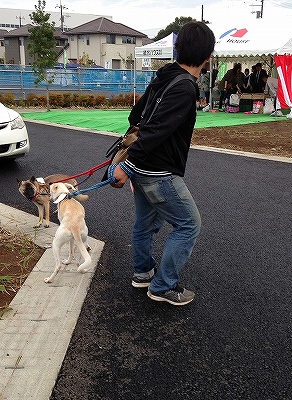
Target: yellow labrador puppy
[(37, 190), (72, 228)]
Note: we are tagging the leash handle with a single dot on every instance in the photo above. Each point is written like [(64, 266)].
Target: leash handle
[(111, 179)]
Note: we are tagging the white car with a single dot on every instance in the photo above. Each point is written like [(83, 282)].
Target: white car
[(14, 141)]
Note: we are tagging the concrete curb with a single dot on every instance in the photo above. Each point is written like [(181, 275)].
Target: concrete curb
[(36, 333)]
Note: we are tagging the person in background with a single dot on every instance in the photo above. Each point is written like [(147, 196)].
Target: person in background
[(157, 161), (246, 84), (214, 76), (232, 82), (258, 79), (204, 86), (272, 88)]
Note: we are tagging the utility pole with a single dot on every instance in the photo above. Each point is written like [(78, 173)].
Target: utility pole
[(202, 15), (62, 14), (259, 14), (20, 19), (262, 8)]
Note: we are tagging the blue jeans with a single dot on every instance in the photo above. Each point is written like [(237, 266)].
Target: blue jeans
[(159, 199)]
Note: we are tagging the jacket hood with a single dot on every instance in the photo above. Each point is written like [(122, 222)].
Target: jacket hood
[(165, 74)]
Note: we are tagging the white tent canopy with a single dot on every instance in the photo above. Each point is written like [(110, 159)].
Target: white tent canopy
[(252, 39), (162, 49), (259, 40)]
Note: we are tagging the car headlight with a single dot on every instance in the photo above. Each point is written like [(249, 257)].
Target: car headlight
[(17, 123)]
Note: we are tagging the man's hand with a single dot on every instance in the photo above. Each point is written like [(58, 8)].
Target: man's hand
[(121, 176)]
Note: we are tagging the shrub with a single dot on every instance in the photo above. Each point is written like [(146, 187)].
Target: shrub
[(100, 100), (32, 99), (115, 101), (86, 100), (9, 99), (76, 99), (67, 99), (42, 100), (56, 99)]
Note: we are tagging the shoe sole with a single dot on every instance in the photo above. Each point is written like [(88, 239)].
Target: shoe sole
[(140, 284), (158, 298)]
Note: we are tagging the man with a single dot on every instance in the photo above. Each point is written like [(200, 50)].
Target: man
[(158, 160), (258, 79), (272, 84)]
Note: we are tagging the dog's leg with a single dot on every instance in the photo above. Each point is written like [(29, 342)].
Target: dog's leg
[(71, 253), (47, 213), (41, 214), (83, 248), (58, 242)]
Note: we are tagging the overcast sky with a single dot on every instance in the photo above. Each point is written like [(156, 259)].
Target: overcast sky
[(149, 16)]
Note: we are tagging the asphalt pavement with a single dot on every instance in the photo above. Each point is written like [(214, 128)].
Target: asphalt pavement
[(234, 340)]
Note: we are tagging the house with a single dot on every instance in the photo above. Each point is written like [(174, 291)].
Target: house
[(16, 41), (2, 47), (107, 43)]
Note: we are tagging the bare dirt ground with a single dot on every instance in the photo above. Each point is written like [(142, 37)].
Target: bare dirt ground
[(272, 138), (18, 255)]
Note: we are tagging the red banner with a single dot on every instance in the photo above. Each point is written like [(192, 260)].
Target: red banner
[(284, 68)]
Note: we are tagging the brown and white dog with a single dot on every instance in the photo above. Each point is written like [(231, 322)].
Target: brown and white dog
[(72, 228), (38, 191)]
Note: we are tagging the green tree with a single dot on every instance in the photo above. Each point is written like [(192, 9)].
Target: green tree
[(42, 44), (173, 27)]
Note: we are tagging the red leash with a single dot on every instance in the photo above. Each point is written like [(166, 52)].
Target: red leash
[(89, 172)]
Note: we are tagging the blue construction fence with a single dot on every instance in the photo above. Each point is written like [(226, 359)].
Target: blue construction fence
[(20, 80)]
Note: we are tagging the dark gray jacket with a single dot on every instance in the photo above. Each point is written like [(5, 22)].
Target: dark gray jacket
[(164, 141)]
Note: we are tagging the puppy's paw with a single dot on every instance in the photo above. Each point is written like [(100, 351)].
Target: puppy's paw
[(48, 280), (46, 225), (66, 262), (82, 270)]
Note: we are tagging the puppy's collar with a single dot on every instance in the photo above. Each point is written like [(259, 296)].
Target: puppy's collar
[(60, 198)]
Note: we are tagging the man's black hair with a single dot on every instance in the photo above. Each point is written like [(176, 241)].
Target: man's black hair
[(194, 44)]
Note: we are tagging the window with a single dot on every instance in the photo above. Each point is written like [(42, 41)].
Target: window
[(111, 39), (87, 40), (81, 37), (72, 38), (129, 39)]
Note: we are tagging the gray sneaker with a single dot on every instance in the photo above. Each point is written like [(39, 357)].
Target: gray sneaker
[(141, 282), (277, 113), (178, 296)]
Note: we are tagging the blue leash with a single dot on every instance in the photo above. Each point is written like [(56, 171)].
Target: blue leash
[(111, 179)]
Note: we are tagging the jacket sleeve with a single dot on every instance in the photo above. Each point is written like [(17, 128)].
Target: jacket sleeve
[(169, 115)]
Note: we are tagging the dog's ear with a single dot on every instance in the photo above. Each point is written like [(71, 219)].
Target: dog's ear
[(69, 186), (33, 179), (18, 181)]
